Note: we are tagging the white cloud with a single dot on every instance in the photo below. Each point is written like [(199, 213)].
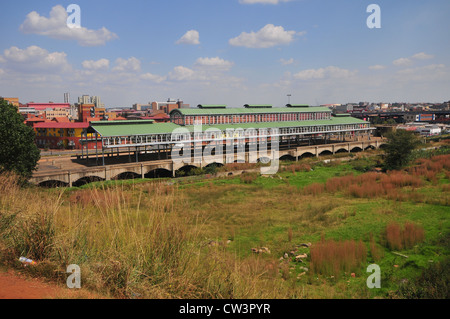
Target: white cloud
[(402, 62), (324, 73), (262, 1), (214, 63), (181, 73), (287, 62), (102, 64), (268, 36), (130, 65), (422, 56), (56, 27), (377, 67), (153, 77), (35, 58), (190, 37), (428, 73), (203, 70), (409, 61)]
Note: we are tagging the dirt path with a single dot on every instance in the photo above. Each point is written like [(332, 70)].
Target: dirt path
[(14, 285)]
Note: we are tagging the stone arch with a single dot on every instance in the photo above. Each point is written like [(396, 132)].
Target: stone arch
[(325, 152), (356, 149), (287, 157), (216, 164), (86, 180), (306, 155), (158, 173), (185, 170), (126, 175), (341, 150), (263, 159)]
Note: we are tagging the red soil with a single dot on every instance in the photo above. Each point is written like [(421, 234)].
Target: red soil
[(17, 286)]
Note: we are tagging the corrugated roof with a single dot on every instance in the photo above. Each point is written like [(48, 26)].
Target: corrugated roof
[(332, 121), (236, 110), (129, 128)]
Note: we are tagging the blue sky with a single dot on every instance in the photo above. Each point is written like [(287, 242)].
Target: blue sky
[(226, 51)]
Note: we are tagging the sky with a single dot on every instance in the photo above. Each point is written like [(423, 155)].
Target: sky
[(231, 52)]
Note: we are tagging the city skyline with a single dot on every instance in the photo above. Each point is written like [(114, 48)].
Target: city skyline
[(226, 52)]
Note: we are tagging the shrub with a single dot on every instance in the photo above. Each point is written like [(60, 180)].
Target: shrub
[(431, 284), (248, 178)]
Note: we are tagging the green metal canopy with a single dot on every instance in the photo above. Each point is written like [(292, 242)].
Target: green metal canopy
[(148, 127)]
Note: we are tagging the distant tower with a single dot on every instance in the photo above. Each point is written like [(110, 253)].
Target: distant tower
[(66, 97)]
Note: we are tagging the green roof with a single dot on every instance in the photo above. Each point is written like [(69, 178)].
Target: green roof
[(332, 121), (297, 105), (130, 128), (236, 110)]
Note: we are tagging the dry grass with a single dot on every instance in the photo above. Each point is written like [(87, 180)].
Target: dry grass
[(329, 257), (398, 237)]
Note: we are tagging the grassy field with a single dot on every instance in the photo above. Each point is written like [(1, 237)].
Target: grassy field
[(309, 231)]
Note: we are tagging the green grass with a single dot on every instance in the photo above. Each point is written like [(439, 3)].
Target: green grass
[(113, 230)]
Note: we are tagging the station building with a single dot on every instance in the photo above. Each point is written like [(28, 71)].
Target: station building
[(294, 124)]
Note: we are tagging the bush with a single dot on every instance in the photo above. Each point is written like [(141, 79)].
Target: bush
[(431, 284), (248, 178)]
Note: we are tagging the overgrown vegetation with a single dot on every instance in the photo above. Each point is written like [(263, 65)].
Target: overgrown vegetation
[(18, 152), (309, 231)]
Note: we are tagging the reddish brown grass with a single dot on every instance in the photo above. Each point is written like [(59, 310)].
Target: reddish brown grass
[(314, 189), (398, 237), (329, 257)]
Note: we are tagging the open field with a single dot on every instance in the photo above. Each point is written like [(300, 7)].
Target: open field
[(309, 231)]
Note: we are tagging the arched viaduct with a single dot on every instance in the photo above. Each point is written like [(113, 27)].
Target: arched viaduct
[(168, 168)]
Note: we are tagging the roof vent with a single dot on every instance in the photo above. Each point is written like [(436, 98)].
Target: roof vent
[(202, 106), (297, 105), (252, 106)]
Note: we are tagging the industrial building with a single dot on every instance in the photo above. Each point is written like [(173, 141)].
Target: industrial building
[(290, 125)]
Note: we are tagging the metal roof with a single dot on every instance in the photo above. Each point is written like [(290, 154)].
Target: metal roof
[(130, 128), (230, 111), (263, 125)]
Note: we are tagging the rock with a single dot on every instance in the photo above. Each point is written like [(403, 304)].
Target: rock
[(301, 274), (300, 257)]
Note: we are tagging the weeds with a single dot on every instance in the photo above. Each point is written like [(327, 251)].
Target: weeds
[(329, 257), (399, 238)]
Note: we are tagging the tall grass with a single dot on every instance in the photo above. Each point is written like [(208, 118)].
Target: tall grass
[(329, 257), (398, 237), (128, 243)]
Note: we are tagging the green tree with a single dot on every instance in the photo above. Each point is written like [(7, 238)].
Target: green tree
[(399, 148), (18, 151)]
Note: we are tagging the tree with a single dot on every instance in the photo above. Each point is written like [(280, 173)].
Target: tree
[(18, 151), (399, 147)]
